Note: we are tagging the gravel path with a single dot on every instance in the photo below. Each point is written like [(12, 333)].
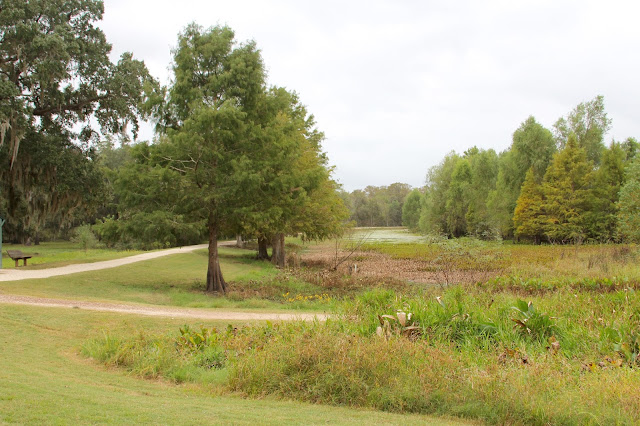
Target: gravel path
[(159, 311), (21, 274)]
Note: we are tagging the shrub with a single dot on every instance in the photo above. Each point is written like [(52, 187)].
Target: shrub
[(84, 236)]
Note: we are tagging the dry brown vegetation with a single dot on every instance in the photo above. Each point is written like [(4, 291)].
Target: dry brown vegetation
[(470, 262), (446, 268)]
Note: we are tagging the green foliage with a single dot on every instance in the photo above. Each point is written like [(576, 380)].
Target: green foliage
[(589, 123), (84, 236), (456, 195), (456, 204), (58, 82), (630, 146), (532, 148), (379, 206), (411, 210), (297, 193), (148, 231), (150, 204), (532, 323), (629, 204), (71, 387), (455, 352), (625, 341), (484, 170), (568, 195), (608, 180), (528, 215), (433, 215)]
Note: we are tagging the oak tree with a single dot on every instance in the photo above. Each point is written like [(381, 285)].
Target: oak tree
[(56, 83)]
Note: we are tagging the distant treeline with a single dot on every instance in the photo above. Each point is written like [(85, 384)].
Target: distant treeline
[(561, 185), (377, 205)]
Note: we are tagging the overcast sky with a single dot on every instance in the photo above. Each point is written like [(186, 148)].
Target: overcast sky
[(396, 85)]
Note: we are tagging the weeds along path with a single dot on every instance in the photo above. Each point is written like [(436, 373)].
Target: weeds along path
[(17, 274), (159, 311)]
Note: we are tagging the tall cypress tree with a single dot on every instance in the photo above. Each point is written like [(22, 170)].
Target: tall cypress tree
[(629, 204), (568, 195), (608, 179)]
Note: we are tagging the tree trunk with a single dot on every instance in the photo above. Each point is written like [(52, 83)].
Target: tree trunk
[(215, 282), (239, 242), (262, 249), (277, 255)]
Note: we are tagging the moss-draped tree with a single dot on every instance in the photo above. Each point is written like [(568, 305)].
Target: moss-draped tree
[(56, 83)]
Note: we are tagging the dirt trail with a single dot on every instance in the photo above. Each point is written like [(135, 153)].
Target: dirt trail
[(159, 311), (18, 274)]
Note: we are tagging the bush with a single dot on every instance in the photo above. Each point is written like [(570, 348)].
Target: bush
[(84, 236)]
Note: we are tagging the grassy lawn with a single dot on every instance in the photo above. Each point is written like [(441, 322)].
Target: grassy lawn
[(44, 379), (55, 254), (176, 280)]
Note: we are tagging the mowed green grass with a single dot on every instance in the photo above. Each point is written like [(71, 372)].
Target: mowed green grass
[(56, 254), (45, 380), (177, 280)]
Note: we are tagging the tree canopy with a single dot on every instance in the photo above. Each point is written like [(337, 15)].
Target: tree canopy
[(560, 187), (56, 83), (233, 157)]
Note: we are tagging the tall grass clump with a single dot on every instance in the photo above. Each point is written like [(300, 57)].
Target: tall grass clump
[(567, 357), (194, 356)]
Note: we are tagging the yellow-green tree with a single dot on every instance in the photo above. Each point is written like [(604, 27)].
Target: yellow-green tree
[(532, 147), (528, 218)]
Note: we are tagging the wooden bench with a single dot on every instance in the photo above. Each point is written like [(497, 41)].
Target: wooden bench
[(17, 255)]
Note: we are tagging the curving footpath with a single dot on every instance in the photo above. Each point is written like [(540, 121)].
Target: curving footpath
[(15, 275), (18, 274)]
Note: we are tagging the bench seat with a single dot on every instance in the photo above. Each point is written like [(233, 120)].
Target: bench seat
[(16, 255)]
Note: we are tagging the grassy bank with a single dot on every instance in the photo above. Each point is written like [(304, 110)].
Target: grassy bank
[(45, 380), (563, 357)]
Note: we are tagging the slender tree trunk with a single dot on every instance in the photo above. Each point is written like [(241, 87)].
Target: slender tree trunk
[(239, 242), (215, 282), (277, 245), (262, 248)]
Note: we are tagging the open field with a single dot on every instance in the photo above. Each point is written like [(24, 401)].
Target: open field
[(531, 335)]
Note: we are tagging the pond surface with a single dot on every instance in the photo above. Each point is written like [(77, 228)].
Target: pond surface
[(385, 235)]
